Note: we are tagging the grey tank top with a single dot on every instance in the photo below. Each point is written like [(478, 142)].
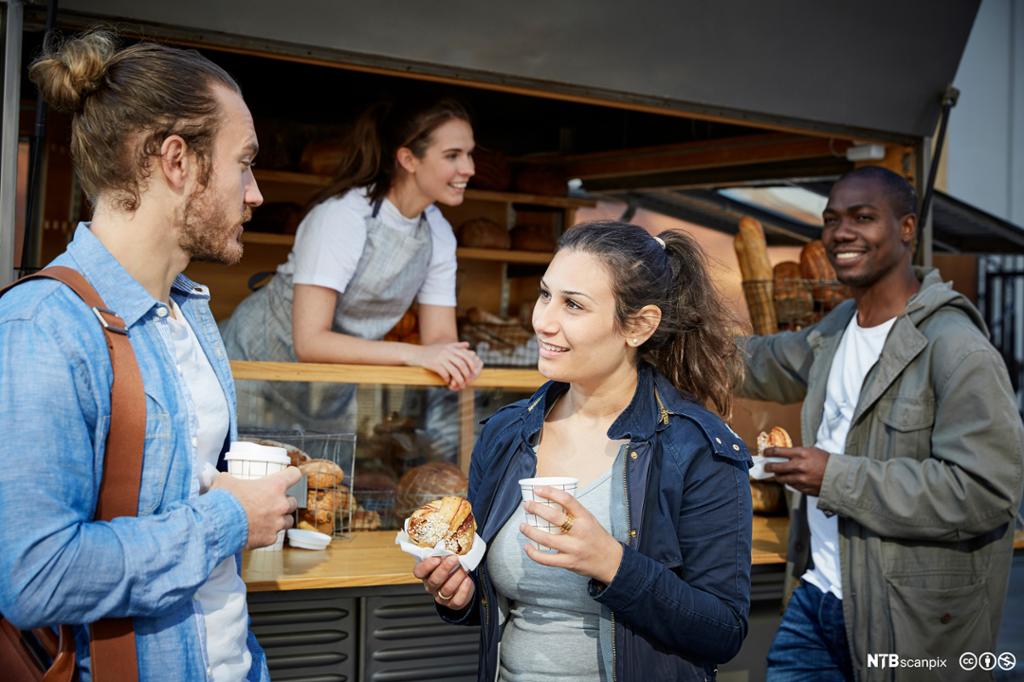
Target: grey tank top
[(552, 627)]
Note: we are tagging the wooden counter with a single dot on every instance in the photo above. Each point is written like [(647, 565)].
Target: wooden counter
[(373, 559)]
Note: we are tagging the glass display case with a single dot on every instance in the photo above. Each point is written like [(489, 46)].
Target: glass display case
[(412, 436)]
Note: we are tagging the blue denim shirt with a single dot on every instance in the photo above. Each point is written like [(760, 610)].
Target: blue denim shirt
[(680, 599), (56, 564)]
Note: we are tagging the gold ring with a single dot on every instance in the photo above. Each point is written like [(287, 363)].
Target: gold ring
[(567, 523), (443, 596)]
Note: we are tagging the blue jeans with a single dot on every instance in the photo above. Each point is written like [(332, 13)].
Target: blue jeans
[(811, 642)]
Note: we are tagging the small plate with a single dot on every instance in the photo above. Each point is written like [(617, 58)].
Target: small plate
[(308, 539)]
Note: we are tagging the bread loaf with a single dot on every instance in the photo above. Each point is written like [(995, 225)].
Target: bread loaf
[(322, 473), (427, 482), (814, 265), (766, 497), (532, 238), (794, 305), (296, 456), (483, 233), (448, 520)]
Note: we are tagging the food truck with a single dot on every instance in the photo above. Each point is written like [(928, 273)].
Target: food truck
[(700, 113)]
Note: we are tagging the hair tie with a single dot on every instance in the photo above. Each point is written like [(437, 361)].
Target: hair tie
[(661, 242)]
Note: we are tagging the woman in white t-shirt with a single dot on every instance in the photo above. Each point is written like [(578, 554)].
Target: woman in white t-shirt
[(372, 245)]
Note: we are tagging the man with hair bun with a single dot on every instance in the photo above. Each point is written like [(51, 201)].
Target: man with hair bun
[(163, 146), (901, 525)]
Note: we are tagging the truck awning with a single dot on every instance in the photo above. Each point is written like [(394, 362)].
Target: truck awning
[(875, 68), (791, 215)]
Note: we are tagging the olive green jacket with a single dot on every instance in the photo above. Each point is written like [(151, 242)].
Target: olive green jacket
[(929, 483)]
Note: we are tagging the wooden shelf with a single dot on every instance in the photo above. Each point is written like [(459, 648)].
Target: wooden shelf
[(290, 177), (498, 255), (311, 180), (526, 380), (268, 238), (504, 256)]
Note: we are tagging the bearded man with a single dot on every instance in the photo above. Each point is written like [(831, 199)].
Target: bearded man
[(163, 145)]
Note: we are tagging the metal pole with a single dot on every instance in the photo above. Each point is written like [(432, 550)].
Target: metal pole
[(12, 14)]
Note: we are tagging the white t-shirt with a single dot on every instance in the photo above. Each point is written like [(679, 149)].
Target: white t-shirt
[(331, 237), (857, 353), (221, 598)]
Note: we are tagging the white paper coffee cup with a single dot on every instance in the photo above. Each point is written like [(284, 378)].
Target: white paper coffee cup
[(527, 485), (251, 461)]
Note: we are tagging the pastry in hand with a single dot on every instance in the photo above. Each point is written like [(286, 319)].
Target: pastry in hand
[(448, 520), (776, 438)]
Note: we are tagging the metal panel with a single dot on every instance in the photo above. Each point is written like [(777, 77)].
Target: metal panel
[(405, 640), (11, 14), (868, 66), (308, 635)]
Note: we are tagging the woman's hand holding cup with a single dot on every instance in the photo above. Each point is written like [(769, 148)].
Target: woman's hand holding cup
[(583, 546)]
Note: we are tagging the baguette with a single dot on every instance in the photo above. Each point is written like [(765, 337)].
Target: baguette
[(756, 269)]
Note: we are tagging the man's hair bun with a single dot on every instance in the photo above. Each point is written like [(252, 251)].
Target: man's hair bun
[(68, 75)]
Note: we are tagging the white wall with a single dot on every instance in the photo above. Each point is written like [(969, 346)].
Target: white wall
[(985, 147)]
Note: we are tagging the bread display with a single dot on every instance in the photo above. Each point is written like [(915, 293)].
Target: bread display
[(752, 254), (448, 520), (544, 180), (482, 233), (427, 482), (322, 473)]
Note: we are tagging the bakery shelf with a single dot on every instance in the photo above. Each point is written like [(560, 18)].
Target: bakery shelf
[(504, 255), (243, 370), (311, 180)]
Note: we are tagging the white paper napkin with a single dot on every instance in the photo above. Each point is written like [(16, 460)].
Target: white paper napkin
[(757, 471), (469, 561)]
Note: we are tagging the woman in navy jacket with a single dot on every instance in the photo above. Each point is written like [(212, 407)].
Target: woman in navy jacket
[(652, 579)]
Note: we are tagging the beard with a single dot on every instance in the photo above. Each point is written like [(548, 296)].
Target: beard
[(207, 232)]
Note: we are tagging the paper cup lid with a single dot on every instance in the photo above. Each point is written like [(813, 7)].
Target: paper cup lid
[(241, 449)]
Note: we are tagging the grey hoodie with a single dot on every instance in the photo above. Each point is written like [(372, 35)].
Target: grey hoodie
[(927, 487)]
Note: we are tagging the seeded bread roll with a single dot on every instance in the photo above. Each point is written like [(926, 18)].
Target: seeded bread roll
[(448, 520)]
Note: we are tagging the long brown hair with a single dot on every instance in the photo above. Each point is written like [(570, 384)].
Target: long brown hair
[(371, 145), (125, 103), (694, 344)]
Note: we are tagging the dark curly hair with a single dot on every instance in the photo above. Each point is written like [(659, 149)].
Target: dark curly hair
[(694, 343)]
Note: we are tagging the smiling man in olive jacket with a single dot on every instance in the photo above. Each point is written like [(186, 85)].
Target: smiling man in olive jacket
[(902, 524)]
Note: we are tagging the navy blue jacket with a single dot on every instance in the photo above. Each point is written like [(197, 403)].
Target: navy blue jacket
[(680, 599)]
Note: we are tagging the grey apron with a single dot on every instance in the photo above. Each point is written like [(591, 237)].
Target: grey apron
[(390, 272)]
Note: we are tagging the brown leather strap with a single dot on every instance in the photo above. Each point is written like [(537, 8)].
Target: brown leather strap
[(113, 653), (63, 667)]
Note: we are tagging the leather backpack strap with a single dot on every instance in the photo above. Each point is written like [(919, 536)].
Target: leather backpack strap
[(113, 653)]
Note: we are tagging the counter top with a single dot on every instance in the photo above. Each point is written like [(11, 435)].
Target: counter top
[(371, 559)]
